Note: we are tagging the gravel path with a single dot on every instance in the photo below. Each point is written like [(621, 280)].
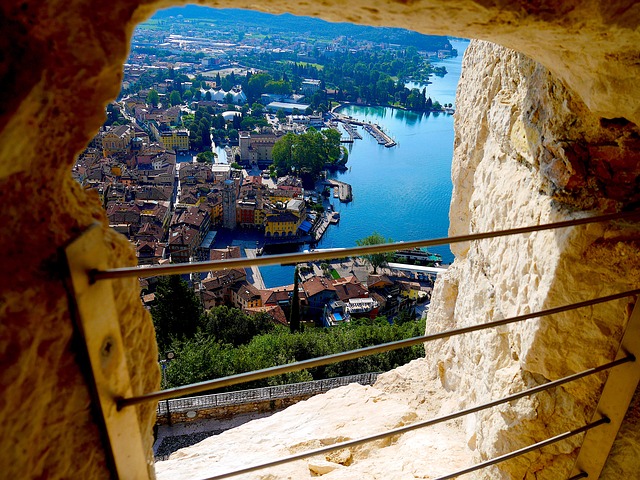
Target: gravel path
[(181, 435)]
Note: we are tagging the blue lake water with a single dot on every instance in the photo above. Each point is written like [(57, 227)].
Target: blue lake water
[(401, 192)]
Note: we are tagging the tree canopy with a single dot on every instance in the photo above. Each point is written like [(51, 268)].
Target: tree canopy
[(231, 326), (177, 311), (206, 157), (153, 98), (375, 259), (308, 153), (175, 98), (203, 357)]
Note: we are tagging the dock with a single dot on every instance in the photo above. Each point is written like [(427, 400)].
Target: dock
[(381, 137), (351, 131), (257, 282), (344, 192), (320, 227), (348, 123)]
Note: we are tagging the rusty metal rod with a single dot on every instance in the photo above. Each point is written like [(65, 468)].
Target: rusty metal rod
[(426, 423), (530, 448), (338, 357), (292, 258)]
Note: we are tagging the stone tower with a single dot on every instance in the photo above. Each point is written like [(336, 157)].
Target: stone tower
[(229, 204)]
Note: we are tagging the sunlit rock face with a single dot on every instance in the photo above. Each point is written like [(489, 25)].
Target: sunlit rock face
[(523, 156), (532, 145), (343, 414)]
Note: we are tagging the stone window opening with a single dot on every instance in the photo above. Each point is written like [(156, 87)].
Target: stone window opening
[(65, 63)]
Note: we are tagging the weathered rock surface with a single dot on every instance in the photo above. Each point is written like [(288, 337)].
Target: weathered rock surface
[(62, 61), (341, 414)]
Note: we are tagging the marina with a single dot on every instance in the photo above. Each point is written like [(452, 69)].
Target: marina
[(352, 132), (381, 137), (348, 123)]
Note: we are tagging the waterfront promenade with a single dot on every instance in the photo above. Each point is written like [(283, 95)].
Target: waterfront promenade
[(257, 280)]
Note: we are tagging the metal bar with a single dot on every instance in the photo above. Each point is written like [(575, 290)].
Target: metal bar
[(338, 357), (614, 402), (530, 448), (426, 423), (277, 391), (97, 320), (180, 268)]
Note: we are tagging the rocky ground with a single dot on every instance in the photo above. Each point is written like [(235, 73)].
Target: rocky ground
[(181, 435)]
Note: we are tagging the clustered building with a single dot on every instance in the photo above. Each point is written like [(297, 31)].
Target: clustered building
[(172, 211)]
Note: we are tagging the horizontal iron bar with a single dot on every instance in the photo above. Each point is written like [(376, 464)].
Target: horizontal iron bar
[(426, 423), (181, 268), (530, 448), (338, 357)]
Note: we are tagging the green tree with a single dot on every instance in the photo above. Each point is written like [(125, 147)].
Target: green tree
[(375, 259), (282, 153), (174, 98), (255, 86), (257, 109), (177, 311), (206, 157), (153, 98), (232, 326), (204, 356), (307, 153), (294, 318)]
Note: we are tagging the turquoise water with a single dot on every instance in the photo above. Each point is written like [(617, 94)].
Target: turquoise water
[(401, 192)]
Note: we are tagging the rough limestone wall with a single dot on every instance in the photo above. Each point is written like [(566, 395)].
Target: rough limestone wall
[(61, 63), (400, 397), (527, 152), (57, 71)]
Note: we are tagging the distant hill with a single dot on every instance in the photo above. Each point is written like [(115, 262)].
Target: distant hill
[(288, 23)]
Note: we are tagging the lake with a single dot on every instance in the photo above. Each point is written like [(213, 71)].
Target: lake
[(402, 192)]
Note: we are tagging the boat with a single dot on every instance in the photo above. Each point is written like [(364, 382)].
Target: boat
[(419, 255), (335, 192)]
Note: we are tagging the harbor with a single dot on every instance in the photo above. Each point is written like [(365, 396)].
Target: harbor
[(348, 123), (381, 137), (341, 190), (351, 131)]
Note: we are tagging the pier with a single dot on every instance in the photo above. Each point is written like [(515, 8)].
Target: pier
[(348, 123), (344, 190), (352, 132), (379, 135), (256, 279), (319, 228)]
